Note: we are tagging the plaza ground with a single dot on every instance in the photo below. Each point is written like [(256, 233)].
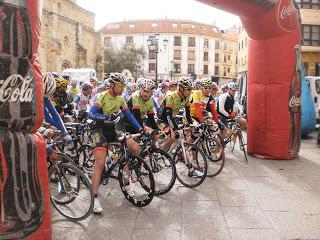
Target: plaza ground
[(265, 200)]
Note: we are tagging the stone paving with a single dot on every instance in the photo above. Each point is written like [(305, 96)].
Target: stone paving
[(264, 200)]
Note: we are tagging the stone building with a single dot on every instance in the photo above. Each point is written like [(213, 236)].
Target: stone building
[(68, 38)]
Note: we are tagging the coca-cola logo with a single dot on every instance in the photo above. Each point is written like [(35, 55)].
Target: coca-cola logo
[(287, 16), (16, 89), (295, 102)]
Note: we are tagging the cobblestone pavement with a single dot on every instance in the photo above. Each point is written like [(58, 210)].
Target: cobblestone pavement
[(265, 200)]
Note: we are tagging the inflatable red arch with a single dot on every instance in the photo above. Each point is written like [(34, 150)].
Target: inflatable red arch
[(274, 86), (273, 111)]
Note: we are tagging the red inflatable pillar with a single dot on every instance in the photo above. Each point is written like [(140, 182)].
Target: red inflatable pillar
[(24, 189), (274, 86)]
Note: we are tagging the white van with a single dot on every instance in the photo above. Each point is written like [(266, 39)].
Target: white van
[(82, 74), (314, 83)]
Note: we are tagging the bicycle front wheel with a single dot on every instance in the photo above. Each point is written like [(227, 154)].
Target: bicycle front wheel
[(163, 169), (242, 145), (70, 192), (191, 164), (136, 181)]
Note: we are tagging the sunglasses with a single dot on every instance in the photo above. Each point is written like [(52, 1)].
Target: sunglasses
[(188, 89)]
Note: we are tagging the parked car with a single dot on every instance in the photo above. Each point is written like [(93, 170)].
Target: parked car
[(314, 84), (308, 113)]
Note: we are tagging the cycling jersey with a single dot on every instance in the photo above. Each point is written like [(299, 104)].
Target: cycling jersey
[(138, 103), (62, 103), (141, 109), (226, 104), (201, 102), (198, 103), (73, 91), (170, 107), (83, 102), (110, 103), (104, 129)]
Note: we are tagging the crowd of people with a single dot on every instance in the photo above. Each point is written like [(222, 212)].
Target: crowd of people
[(116, 105)]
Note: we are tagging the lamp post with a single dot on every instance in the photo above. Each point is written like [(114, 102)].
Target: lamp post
[(153, 43)]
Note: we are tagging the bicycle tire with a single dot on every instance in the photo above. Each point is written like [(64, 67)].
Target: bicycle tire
[(215, 166), (81, 179), (182, 167), (136, 165), (157, 164), (242, 146)]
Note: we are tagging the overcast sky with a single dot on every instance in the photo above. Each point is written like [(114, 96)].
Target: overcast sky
[(117, 10)]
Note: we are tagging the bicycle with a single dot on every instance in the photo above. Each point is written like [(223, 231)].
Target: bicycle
[(190, 161), (160, 162), (205, 137), (234, 132), (134, 175), (70, 190)]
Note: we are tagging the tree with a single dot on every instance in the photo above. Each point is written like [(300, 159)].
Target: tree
[(127, 57)]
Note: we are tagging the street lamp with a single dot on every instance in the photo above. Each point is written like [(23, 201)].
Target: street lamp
[(153, 43)]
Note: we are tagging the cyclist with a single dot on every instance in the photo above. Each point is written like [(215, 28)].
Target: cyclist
[(73, 90), (83, 100), (130, 89), (50, 113), (103, 112), (197, 85), (172, 86), (176, 101), (202, 100), (142, 106), (160, 93), (228, 106), (62, 101)]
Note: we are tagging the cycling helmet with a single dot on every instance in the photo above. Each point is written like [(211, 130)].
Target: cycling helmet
[(207, 83), (172, 83), (147, 84), (131, 87), (214, 86), (225, 88), (86, 86), (185, 82), (73, 82), (49, 84), (164, 85), (197, 84), (117, 78), (61, 82), (233, 86)]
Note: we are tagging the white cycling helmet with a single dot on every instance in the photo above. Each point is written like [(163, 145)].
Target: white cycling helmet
[(73, 82), (49, 84), (233, 86), (117, 78), (147, 84), (185, 82)]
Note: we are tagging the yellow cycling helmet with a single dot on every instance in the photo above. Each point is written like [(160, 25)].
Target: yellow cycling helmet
[(61, 82)]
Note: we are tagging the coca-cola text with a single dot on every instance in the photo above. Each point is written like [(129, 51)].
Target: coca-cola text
[(16, 88)]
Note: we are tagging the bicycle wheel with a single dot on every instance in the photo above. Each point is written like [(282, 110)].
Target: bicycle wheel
[(242, 145), (86, 158), (136, 181), (70, 194), (214, 152), (192, 171), (163, 169)]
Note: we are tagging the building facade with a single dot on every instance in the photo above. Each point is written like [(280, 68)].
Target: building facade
[(243, 42), (184, 47), (68, 38), (310, 16)]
